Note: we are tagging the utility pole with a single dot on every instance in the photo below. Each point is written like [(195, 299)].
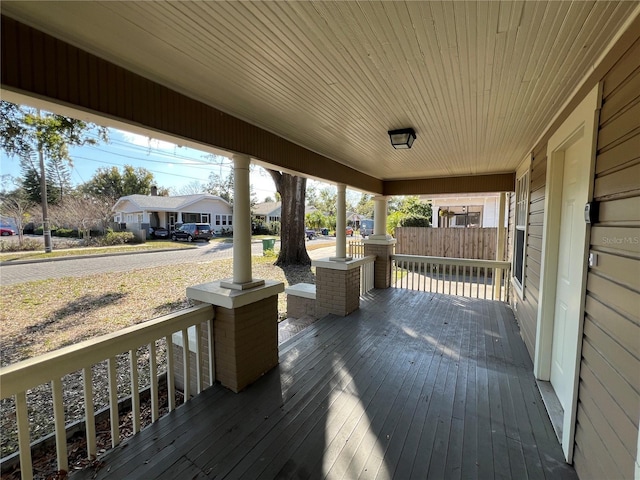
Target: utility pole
[(46, 228)]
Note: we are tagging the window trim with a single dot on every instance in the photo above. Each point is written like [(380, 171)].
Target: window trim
[(523, 180)]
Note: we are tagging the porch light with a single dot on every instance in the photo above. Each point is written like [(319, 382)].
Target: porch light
[(402, 138)]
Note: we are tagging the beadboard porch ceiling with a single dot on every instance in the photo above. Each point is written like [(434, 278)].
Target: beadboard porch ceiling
[(478, 81)]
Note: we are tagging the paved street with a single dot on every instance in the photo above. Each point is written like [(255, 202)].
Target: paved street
[(79, 267)]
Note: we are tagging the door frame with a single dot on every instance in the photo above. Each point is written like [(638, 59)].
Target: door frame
[(581, 124)]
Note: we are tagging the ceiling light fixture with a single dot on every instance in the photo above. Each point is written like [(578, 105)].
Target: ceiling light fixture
[(402, 138)]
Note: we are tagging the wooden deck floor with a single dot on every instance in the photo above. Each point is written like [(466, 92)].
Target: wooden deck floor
[(413, 385)]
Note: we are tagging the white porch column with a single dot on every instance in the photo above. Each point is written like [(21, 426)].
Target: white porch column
[(341, 224), (241, 220), (179, 220), (380, 204), (242, 278)]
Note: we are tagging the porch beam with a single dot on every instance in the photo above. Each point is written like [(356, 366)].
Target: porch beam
[(499, 182)]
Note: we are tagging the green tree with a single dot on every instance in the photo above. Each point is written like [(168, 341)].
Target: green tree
[(28, 133), (110, 184), (410, 211), (365, 206)]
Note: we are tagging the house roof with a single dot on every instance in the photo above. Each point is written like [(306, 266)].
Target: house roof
[(266, 208), (480, 82), (161, 204)]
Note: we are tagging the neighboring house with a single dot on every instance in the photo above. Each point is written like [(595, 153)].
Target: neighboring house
[(267, 211), (360, 222), (465, 210), (138, 212), (270, 211)]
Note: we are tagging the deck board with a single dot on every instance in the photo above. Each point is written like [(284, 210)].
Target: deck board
[(412, 385)]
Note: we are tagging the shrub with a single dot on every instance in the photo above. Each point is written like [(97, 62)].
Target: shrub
[(116, 238), (415, 221), (27, 245), (65, 232)]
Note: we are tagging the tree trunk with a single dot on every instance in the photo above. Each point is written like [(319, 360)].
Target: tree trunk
[(292, 190)]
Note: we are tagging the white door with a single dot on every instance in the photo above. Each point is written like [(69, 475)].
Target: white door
[(569, 279)]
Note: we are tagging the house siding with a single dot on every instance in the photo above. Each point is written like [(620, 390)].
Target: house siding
[(609, 389), (527, 307)]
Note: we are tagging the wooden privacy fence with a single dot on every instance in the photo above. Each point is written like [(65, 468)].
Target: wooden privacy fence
[(473, 243)]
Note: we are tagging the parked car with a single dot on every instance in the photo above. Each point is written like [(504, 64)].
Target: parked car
[(6, 231), (158, 232), (192, 231), (350, 231), (311, 234)]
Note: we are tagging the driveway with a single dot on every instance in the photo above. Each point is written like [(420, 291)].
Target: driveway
[(80, 267)]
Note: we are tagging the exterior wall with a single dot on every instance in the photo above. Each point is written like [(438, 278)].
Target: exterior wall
[(527, 308), (489, 204), (609, 391)]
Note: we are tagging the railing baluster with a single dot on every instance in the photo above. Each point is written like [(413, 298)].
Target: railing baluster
[(58, 420), (212, 353), (171, 381), (24, 441), (89, 416), (153, 374), (135, 390), (457, 277), (198, 362), (186, 361), (113, 402), (485, 284)]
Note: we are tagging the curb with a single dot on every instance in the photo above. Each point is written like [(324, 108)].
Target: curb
[(7, 263)]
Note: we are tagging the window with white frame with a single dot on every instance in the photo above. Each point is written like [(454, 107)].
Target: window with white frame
[(520, 240)]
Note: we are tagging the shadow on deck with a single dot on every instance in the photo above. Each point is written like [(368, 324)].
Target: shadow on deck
[(412, 385)]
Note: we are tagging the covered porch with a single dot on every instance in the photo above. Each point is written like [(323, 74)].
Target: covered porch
[(411, 385)]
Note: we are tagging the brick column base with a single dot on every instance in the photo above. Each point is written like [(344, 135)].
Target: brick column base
[(337, 291), (245, 330), (246, 342), (382, 266)]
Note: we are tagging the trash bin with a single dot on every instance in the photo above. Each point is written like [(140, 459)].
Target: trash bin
[(268, 244), (325, 231)]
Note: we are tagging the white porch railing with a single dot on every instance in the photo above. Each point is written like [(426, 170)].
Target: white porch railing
[(485, 279), (18, 378), (367, 271), (355, 249)]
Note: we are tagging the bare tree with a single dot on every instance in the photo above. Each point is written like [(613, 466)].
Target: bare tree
[(17, 206)]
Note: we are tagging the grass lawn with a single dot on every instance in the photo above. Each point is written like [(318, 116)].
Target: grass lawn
[(41, 316)]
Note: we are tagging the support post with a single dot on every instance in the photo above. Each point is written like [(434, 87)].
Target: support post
[(242, 278), (380, 244), (497, 272), (341, 225)]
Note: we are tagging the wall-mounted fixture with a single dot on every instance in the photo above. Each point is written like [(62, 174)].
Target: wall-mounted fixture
[(402, 138)]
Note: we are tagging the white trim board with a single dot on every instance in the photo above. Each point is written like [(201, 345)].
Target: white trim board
[(580, 126)]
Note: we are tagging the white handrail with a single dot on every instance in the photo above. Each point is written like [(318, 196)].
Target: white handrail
[(487, 279), (16, 379)]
